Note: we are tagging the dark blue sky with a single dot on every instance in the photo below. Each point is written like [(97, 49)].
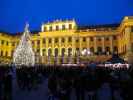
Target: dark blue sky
[(15, 13)]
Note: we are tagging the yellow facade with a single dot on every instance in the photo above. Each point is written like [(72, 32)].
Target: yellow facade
[(60, 41)]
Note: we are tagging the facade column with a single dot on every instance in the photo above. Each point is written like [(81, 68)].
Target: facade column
[(128, 30), (111, 44), (53, 49), (73, 46), (41, 46), (129, 54), (47, 46), (88, 43), (80, 44), (103, 45), (95, 44), (66, 46), (59, 46), (119, 44)]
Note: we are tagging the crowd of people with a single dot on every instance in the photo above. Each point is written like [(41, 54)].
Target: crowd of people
[(87, 81), (5, 83), (63, 81), (28, 78)]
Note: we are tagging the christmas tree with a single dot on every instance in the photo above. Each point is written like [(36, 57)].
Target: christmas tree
[(23, 54)]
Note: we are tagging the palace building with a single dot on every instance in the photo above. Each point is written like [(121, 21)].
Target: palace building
[(61, 42)]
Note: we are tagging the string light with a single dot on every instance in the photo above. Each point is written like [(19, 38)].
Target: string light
[(24, 55)]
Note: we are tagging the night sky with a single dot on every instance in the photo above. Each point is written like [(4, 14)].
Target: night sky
[(15, 13)]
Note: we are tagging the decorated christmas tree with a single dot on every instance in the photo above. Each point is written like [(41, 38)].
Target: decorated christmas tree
[(23, 54)]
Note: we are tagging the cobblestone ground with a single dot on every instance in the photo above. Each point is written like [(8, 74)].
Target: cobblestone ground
[(41, 92)]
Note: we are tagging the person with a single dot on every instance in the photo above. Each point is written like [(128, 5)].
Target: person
[(65, 88), (1, 84), (52, 86), (104, 92), (8, 85), (79, 84)]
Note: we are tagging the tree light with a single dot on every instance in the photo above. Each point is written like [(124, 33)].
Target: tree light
[(23, 54)]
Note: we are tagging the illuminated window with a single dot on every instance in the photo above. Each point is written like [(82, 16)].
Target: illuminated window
[(69, 51), (63, 51), (57, 27), (6, 54), (70, 26), (92, 49), (43, 52), (44, 40), (77, 49), (2, 42), (56, 52), (107, 39), (125, 48), (49, 52), (7, 43), (84, 39), (56, 40), (99, 39), (12, 53), (70, 39), (45, 29), (91, 39), (50, 28), (32, 42), (115, 49), (38, 50), (132, 47), (114, 37), (77, 40), (50, 40), (13, 43), (1, 53), (38, 42), (107, 49), (62, 40), (63, 27), (99, 50), (132, 29)]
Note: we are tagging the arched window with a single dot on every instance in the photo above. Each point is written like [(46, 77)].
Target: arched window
[(63, 40), (43, 52), (125, 48), (69, 39), (1, 53), (115, 49), (107, 49), (56, 40), (99, 50), (77, 51), (50, 40), (63, 51), (6, 54), (57, 27), (49, 52), (70, 26), (63, 27), (56, 52), (69, 51), (92, 49), (50, 28), (45, 29), (84, 39)]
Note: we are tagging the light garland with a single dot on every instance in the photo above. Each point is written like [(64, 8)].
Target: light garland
[(115, 66)]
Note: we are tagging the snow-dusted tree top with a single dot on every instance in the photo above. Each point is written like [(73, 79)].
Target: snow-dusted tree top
[(23, 54)]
